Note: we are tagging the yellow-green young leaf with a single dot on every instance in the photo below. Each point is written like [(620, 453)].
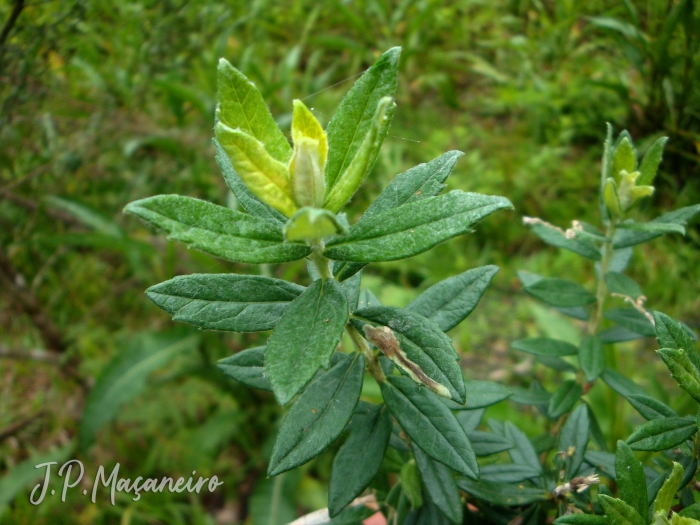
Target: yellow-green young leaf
[(350, 180), (312, 223), (620, 513), (611, 198), (308, 162), (677, 519), (266, 177), (664, 498), (623, 158), (651, 161), (241, 106)]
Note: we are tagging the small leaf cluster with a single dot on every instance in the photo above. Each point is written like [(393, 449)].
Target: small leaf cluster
[(292, 196)]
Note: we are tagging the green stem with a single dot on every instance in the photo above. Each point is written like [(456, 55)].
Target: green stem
[(602, 290), (323, 264), (373, 366)]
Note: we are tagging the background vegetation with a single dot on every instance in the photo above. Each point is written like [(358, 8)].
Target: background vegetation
[(104, 102)]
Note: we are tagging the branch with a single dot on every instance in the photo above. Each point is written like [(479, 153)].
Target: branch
[(14, 428), (14, 15)]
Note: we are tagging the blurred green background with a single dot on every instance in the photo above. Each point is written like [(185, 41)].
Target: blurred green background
[(107, 101)]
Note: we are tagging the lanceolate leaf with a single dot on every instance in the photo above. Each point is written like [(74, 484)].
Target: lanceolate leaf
[(502, 494), (319, 415), (665, 496), (440, 485), (650, 162), (620, 513), (266, 177), (649, 407), (663, 433), (625, 238), (573, 439), (229, 302), (556, 292), (220, 231), (682, 370), (419, 182), (621, 384), (481, 394), (449, 302), (553, 236), (354, 174), (632, 319), (508, 473), (591, 357), (430, 424), (246, 198), (305, 337), (414, 228), (423, 344), (241, 106), (247, 367), (358, 460), (352, 120), (544, 346), (522, 452), (487, 443), (672, 334), (564, 398), (631, 480), (621, 284), (581, 519), (125, 377)]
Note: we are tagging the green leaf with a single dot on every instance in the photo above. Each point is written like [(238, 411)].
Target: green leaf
[(649, 407), (662, 434), (581, 519), (692, 511), (273, 500), (544, 346), (419, 182), (623, 158), (319, 416), (21, 476), (619, 512), (682, 370), (440, 486), (246, 198), (246, 367), (125, 377), (625, 238), (220, 231), (603, 462), (410, 484), (664, 499), (228, 302), (652, 227), (450, 301), (651, 161), (423, 349), (524, 396), (631, 480), (502, 494), (359, 458), (522, 452), (481, 394), (556, 292), (557, 363), (564, 397), (554, 237), (618, 334), (308, 163), (353, 119), (430, 424), (573, 439), (487, 443), (621, 384), (672, 334), (632, 319), (470, 419), (241, 106), (266, 177), (357, 170), (305, 338), (311, 224), (344, 270), (414, 228), (352, 290), (591, 357), (508, 473), (621, 284), (87, 216)]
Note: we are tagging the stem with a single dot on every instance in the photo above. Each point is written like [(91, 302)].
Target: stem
[(602, 290), (323, 264), (373, 366)]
